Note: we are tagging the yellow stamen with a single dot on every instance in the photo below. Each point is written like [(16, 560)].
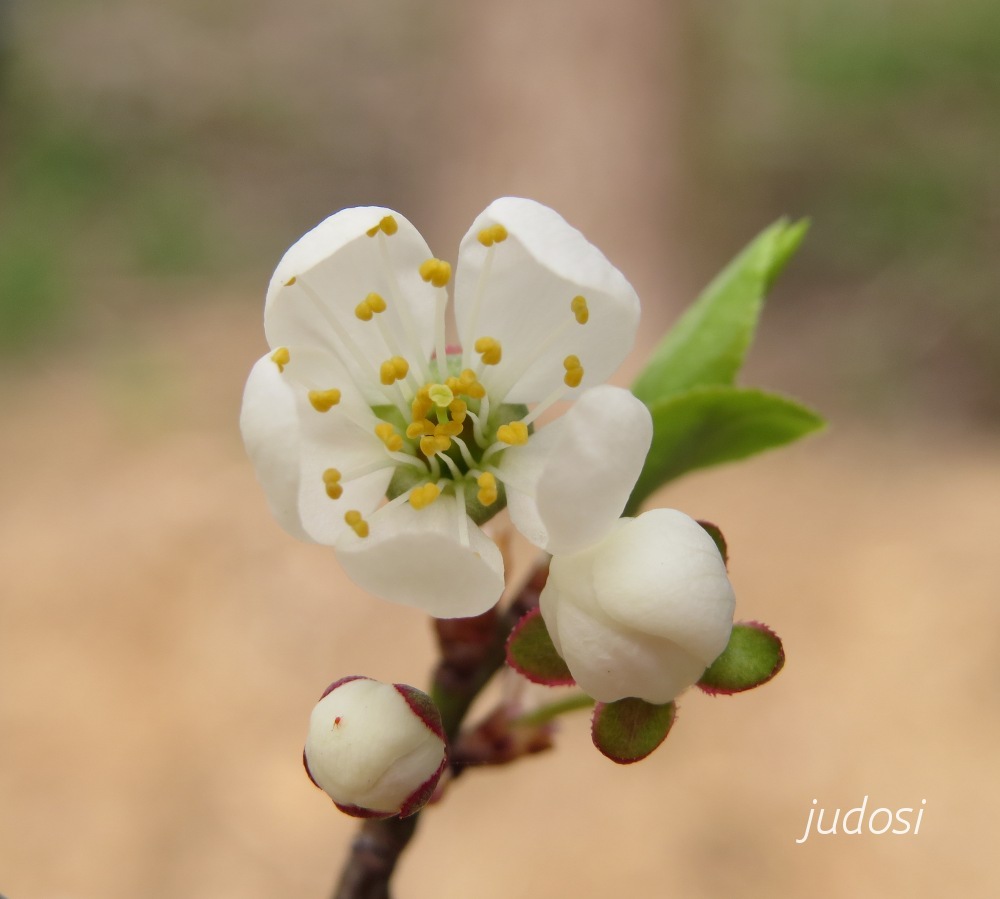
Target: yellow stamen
[(369, 306), (448, 429), (494, 234), (419, 428), (435, 271), (356, 523), (574, 371), (514, 434), (421, 497), (393, 370), (324, 400), (580, 310), (487, 494), (469, 385), (489, 349), (290, 281), (458, 409), (281, 357), (331, 478), (387, 225), (387, 434), (434, 443)]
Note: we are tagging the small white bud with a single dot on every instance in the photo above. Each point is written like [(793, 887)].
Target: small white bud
[(643, 612), (376, 749)]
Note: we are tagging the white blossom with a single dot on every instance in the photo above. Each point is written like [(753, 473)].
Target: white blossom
[(359, 400), (644, 611), (376, 749)]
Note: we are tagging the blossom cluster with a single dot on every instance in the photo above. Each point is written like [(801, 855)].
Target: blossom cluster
[(370, 434)]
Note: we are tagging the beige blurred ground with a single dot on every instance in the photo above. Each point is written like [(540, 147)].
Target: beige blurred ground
[(163, 641)]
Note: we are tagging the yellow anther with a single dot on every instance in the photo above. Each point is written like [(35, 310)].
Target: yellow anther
[(290, 281), (393, 370), (324, 400), (331, 479), (420, 428), (574, 371), (487, 494), (580, 310), (281, 357), (369, 306), (441, 395), (494, 234), (489, 349), (356, 523), (458, 409), (421, 497), (387, 434), (448, 429), (435, 271), (514, 434), (387, 225), (475, 390), (420, 406), (434, 443)]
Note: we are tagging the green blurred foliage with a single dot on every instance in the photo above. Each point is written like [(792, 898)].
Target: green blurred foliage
[(80, 205), (881, 120)]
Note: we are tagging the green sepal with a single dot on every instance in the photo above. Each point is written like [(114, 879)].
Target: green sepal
[(708, 344), (710, 425), (531, 652), (628, 730), (753, 656)]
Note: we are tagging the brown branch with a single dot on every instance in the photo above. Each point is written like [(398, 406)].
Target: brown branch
[(374, 854)]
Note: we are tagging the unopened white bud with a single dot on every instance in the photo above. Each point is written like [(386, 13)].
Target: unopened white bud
[(642, 613), (377, 749)]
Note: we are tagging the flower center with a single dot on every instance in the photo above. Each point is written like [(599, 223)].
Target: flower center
[(445, 424)]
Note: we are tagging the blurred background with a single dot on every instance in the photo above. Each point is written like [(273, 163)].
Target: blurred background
[(162, 641)]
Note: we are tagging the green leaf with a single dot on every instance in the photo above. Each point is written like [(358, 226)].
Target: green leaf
[(710, 425), (708, 343), (531, 652), (753, 656), (628, 730)]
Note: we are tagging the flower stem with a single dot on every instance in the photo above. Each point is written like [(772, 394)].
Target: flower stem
[(546, 713)]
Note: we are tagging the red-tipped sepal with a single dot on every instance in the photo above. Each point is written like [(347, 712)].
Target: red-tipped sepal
[(531, 652), (628, 730), (753, 656)]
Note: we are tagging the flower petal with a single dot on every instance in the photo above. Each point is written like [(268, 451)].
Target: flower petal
[(609, 661), (520, 291), (662, 574), (579, 470), (270, 426), (343, 438), (417, 558), (328, 272)]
